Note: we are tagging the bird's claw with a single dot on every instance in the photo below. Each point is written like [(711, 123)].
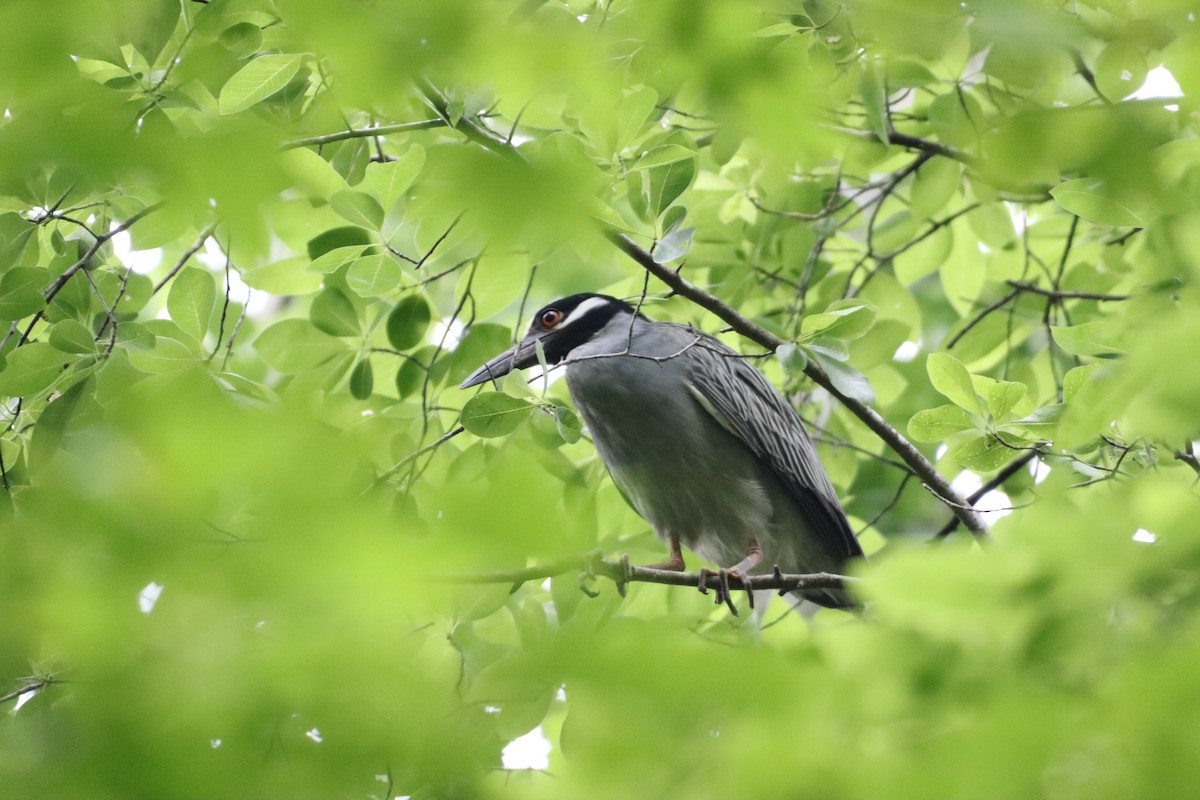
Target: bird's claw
[(724, 596)]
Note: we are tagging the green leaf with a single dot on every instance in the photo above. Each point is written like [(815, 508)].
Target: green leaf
[(51, 426), (372, 276), (294, 345), (31, 368), (987, 453), (333, 312), (1041, 423), (1002, 397), (391, 180), (1075, 378), (792, 357), (1088, 339), (72, 336), (569, 426), (408, 378), (191, 299), (1089, 199), (334, 238), (951, 379), (362, 380), (336, 258), (937, 424), (874, 97), (936, 182), (167, 355), (258, 80), (312, 173), (408, 321), (21, 292), (359, 208), (669, 181), (843, 319), (635, 108), (844, 378), (664, 155), (286, 276), (492, 414)]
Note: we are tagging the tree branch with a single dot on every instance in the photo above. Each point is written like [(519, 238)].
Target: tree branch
[(363, 133), (1058, 294), (622, 572), (873, 420), (996, 482)]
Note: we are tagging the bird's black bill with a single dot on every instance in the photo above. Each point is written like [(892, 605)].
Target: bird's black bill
[(523, 355)]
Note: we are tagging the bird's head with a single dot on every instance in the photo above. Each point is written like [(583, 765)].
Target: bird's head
[(559, 327)]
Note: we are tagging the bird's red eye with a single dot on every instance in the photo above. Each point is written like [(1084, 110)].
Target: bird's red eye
[(551, 317)]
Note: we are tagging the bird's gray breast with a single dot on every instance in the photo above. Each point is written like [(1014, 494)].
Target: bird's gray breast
[(679, 468)]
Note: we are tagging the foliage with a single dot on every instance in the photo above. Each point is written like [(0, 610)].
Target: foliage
[(249, 249)]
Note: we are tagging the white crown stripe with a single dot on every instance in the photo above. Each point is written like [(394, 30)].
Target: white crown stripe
[(580, 311)]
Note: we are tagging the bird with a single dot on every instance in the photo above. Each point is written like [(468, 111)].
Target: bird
[(700, 443)]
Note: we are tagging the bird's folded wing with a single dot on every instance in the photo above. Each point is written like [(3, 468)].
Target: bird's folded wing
[(745, 403)]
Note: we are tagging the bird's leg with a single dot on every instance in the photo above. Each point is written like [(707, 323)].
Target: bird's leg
[(741, 571), (675, 562)]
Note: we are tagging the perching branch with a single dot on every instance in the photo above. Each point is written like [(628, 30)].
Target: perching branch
[(622, 572), (751, 330)]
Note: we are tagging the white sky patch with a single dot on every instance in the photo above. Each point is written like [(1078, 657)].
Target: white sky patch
[(142, 262), (25, 697), (450, 328), (1020, 217), (1144, 536), (531, 751), (906, 352), (941, 451), (1159, 84), (214, 743), (1040, 470), (148, 596), (315, 735), (995, 503)]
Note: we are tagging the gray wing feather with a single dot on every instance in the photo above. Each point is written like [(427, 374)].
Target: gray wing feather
[(746, 404)]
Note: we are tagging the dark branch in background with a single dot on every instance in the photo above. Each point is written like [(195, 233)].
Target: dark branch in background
[(187, 255), (622, 572), (994, 483), (1058, 294), (751, 330)]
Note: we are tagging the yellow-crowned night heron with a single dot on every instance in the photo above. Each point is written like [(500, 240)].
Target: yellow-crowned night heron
[(701, 444)]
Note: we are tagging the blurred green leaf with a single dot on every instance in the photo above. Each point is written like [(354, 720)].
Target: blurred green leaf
[(1088, 198), (191, 299), (293, 345), (362, 380)]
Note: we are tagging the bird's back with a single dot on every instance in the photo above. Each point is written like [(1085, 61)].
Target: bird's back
[(686, 468)]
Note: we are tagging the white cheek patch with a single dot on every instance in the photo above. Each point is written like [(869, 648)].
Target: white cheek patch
[(582, 310)]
